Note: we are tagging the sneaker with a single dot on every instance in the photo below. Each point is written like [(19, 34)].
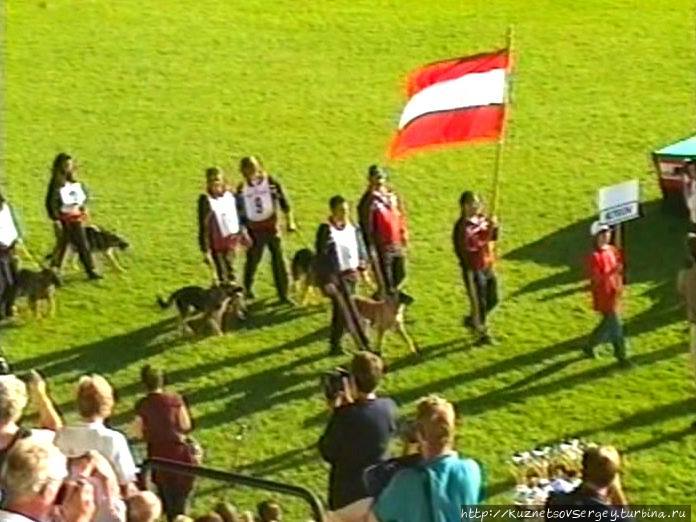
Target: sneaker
[(94, 276), (626, 364), (484, 340), (589, 353)]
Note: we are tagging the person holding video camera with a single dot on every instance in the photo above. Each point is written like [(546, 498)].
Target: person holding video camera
[(359, 430)]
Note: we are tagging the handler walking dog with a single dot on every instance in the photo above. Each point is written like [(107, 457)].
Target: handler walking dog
[(341, 261)]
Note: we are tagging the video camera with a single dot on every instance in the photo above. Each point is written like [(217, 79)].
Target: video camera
[(332, 382)]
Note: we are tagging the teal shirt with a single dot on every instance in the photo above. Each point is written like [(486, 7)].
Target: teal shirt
[(433, 492)]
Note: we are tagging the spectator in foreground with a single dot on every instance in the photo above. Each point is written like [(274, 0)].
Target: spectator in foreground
[(95, 402), (358, 432), (162, 420), (687, 289), (269, 511), (13, 400), (144, 506), (34, 474), (437, 488), (600, 490)]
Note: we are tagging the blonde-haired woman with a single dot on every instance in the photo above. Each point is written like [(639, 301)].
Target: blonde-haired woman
[(435, 489), (13, 399), (95, 402)]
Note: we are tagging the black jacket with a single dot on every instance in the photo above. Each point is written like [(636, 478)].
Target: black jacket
[(356, 438)]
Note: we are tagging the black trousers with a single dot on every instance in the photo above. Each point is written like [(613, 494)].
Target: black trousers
[(393, 267), (74, 235), (261, 240), (8, 278), (343, 311), (482, 286), (174, 500), (224, 265)]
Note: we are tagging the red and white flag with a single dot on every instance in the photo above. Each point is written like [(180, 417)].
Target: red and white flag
[(453, 101)]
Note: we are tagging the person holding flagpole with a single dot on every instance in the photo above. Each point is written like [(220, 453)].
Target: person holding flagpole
[(473, 236), (67, 201), (341, 261), (220, 231), (261, 196)]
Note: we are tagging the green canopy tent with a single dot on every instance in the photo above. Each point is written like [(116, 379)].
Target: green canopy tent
[(668, 162)]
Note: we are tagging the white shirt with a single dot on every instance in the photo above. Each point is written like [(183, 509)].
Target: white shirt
[(72, 197), (690, 197), (258, 200), (225, 210), (10, 516), (346, 241), (75, 441), (8, 229)]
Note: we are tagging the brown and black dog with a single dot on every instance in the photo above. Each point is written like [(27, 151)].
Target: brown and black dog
[(36, 287), (386, 314), (305, 280), (209, 303)]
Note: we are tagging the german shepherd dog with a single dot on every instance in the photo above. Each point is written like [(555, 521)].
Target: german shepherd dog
[(303, 269), (386, 314), (99, 241), (36, 287), (210, 303)]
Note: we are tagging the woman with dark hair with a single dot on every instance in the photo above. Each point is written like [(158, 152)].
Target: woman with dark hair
[(162, 420), (9, 237), (62, 164), (66, 205), (219, 226)]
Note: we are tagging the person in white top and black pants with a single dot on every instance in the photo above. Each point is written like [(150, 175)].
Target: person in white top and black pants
[(67, 200), (341, 260), (261, 196), (9, 236), (220, 231)]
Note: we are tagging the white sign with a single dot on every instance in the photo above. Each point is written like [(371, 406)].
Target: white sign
[(619, 203)]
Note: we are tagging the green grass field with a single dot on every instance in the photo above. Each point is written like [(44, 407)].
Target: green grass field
[(148, 93)]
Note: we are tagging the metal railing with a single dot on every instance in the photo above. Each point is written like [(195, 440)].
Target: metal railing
[(237, 479)]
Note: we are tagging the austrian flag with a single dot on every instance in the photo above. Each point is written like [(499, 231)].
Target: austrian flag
[(453, 101)]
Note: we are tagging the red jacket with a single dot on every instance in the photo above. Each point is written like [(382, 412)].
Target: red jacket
[(387, 221), (606, 278)]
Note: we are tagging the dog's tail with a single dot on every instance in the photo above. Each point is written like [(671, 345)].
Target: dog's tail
[(164, 304)]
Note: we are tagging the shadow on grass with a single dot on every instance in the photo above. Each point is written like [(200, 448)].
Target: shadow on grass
[(654, 246), (106, 355)]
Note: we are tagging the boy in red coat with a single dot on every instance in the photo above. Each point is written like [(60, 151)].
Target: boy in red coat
[(606, 268)]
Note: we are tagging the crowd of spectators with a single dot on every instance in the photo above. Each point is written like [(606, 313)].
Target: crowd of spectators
[(85, 471)]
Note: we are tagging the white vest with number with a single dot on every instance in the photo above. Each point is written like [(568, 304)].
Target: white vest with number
[(225, 210), (258, 201), (8, 230), (72, 195), (346, 241)]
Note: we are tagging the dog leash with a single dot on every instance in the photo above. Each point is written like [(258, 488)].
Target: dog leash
[(25, 251)]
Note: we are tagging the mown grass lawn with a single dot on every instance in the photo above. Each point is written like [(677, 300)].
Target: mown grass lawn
[(148, 93)]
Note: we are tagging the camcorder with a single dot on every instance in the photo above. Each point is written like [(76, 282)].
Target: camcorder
[(333, 382)]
